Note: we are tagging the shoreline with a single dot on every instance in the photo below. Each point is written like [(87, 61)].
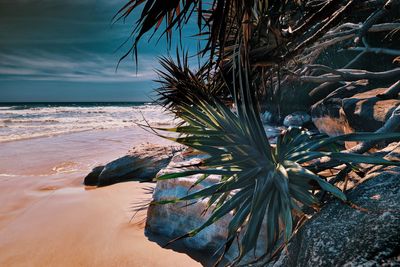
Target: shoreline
[(48, 218), (52, 135)]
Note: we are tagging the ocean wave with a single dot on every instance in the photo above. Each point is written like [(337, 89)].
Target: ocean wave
[(34, 122)]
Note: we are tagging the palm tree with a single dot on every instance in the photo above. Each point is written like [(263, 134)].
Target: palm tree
[(266, 34), (261, 185)]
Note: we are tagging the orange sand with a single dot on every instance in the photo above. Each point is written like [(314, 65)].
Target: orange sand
[(47, 218)]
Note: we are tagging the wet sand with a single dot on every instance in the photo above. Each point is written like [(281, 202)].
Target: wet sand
[(48, 218)]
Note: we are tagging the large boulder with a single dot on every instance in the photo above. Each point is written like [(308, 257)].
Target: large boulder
[(367, 234), (174, 220), (367, 112), (364, 234), (142, 163), (343, 113)]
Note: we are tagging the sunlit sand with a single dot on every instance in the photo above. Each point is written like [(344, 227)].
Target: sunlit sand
[(48, 218)]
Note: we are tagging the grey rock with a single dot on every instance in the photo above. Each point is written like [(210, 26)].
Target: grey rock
[(297, 119), (92, 178), (174, 220), (273, 132), (340, 235), (266, 117), (141, 164)]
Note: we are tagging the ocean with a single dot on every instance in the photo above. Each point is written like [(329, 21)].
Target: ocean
[(19, 121)]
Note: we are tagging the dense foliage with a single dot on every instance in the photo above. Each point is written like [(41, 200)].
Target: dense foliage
[(261, 185), (249, 44)]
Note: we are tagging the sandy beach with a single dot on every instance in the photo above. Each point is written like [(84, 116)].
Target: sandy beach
[(48, 218)]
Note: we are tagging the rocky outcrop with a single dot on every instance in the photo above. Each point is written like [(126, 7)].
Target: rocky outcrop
[(342, 113), (367, 112), (174, 220), (340, 235), (141, 164)]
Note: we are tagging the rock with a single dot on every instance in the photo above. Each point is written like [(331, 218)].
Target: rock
[(266, 117), (92, 178), (328, 117), (366, 112), (273, 132), (343, 236), (394, 154), (141, 164), (361, 112), (174, 220), (297, 119), (338, 235)]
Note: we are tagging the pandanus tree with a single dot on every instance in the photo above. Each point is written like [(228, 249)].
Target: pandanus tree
[(261, 185), (279, 39)]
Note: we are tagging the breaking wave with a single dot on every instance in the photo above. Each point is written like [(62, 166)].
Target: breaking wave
[(31, 121)]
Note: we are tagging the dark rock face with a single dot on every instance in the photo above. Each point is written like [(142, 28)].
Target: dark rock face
[(141, 164), (343, 113), (367, 112), (92, 178), (343, 236), (328, 117)]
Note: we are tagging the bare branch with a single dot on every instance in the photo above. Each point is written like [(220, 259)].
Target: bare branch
[(376, 50), (392, 92), (383, 27), (373, 18), (350, 75), (391, 125)]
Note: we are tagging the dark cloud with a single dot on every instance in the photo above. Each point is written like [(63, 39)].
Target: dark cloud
[(71, 43)]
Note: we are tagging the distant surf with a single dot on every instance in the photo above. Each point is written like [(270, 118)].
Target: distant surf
[(20, 121)]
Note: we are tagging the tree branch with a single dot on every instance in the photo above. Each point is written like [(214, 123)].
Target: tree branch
[(350, 75), (391, 125)]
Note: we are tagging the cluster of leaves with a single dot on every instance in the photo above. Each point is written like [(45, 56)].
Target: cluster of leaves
[(260, 184), (213, 19), (266, 33), (270, 30), (179, 84), (219, 21)]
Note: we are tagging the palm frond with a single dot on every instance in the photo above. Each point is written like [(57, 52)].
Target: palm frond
[(260, 185), (180, 86)]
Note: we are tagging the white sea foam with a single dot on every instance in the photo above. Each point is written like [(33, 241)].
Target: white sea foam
[(17, 123)]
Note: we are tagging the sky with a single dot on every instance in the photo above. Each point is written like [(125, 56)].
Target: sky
[(67, 51)]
